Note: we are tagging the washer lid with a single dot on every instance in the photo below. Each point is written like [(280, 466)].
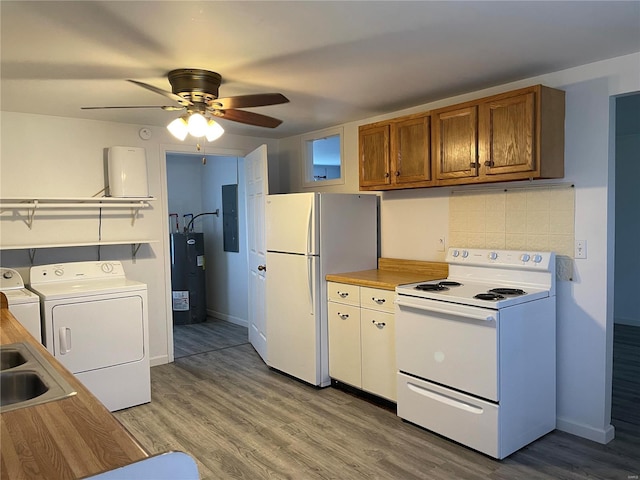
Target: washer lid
[(85, 288), (20, 296)]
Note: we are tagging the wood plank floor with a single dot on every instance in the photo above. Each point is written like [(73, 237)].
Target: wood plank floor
[(242, 420), (625, 398), (213, 334)]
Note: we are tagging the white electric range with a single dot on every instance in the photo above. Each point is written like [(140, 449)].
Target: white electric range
[(476, 351)]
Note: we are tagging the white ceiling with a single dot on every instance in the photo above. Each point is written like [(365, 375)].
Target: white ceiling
[(335, 61)]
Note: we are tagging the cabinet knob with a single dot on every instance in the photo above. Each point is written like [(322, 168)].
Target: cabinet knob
[(378, 300), (343, 316), (397, 173), (378, 324), (474, 164), (488, 163), (343, 294), (386, 174), (262, 268)]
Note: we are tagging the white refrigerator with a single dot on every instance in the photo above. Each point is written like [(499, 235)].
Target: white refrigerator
[(309, 235)]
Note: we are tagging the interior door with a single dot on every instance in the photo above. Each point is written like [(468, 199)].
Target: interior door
[(257, 188)]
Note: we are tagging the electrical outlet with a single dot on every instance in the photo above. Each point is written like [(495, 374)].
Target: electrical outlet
[(581, 249), (441, 243)]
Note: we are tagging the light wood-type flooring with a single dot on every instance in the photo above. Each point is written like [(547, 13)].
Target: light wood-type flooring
[(241, 420), (213, 334)]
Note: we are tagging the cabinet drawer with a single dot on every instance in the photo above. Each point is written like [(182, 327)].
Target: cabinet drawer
[(463, 418), (377, 299), (343, 293)]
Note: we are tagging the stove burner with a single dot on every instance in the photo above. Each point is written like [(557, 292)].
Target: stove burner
[(431, 287), (449, 283), (488, 296), (507, 291)]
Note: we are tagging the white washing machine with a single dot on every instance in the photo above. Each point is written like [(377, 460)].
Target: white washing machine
[(95, 323), (23, 304)]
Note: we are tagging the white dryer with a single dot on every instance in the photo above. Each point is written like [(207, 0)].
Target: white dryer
[(23, 304), (95, 322)]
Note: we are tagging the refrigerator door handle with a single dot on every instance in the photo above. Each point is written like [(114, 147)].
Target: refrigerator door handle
[(309, 231), (310, 282)]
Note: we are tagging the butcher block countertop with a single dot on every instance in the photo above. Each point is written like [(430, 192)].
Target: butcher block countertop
[(392, 272), (69, 438)]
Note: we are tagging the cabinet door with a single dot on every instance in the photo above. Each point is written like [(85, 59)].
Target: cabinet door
[(507, 129), (374, 156), (411, 149), (378, 353), (456, 139), (344, 343)]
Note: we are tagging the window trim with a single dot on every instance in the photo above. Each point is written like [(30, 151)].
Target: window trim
[(307, 167)]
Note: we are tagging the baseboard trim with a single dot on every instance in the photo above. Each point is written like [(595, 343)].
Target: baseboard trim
[(159, 360), (598, 435), (228, 318)]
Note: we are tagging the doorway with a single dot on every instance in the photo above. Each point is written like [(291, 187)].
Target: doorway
[(195, 184), (625, 404)]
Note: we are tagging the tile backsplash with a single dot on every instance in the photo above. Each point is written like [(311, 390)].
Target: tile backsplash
[(524, 218)]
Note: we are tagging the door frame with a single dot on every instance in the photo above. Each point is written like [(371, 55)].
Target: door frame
[(164, 206)]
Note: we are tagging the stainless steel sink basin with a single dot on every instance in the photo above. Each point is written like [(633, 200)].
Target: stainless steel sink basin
[(11, 357), (28, 379)]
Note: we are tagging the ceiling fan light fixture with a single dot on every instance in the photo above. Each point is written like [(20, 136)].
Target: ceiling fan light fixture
[(179, 128), (197, 125), (214, 130)]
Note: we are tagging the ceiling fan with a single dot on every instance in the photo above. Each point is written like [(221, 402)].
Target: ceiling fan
[(196, 92)]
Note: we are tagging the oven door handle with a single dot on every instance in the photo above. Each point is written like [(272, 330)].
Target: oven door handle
[(465, 312)]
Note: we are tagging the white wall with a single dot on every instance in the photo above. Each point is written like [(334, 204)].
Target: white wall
[(412, 220), (66, 158)]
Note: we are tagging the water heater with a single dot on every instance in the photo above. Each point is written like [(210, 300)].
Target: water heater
[(127, 169)]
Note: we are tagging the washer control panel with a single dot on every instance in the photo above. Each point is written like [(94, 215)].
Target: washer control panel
[(10, 279), (64, 272)]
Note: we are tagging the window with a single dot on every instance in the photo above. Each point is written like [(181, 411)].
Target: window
[(322, 152)]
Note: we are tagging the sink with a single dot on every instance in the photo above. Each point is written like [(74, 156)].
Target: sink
[(27, 378), (11, 357), (20, 386)]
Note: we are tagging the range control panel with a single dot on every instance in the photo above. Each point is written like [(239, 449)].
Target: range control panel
[(501, 258)]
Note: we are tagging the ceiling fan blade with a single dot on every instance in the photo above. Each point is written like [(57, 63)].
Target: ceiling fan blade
[(249, 118), (167, 94), (245, 101), (168, 108)]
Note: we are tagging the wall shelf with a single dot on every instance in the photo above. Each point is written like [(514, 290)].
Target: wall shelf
[(32, 204)]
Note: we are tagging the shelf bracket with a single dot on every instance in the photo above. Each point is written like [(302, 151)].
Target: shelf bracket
[(31, 213), (134, 250), (32, 255), (134, 214)]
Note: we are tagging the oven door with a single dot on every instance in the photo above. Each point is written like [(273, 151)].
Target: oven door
[(449, 344)]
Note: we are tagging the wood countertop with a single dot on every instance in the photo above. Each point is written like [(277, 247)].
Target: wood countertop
[(392, 272), (69, 438)]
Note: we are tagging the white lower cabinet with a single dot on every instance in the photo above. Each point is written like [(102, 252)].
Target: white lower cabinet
[(362, 338)]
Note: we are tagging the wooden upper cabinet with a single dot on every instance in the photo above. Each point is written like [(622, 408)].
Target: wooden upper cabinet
[(507, 129), (396, 153), (374, 156), (411, 147), (456, 143), (516, 135)]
